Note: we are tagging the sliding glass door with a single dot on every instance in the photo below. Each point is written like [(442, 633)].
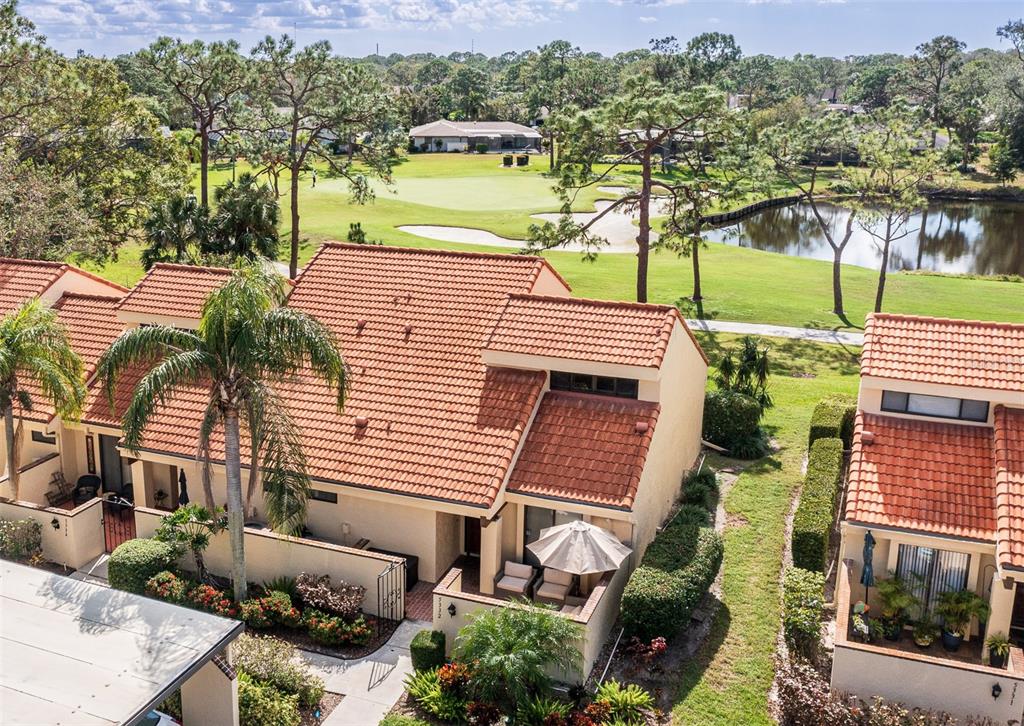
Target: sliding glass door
[(929, 572)]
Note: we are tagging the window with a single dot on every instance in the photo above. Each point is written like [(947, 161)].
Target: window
[(919, 404), (930, 572), (40, 438), (321, 496), (601, 385)]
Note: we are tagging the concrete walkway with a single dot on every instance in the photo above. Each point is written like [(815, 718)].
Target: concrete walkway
[(94, 571), (778, 331), (370, 685)]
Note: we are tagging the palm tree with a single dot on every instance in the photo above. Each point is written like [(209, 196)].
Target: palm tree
[(247, 342), (34, 348), (245, 224), (176, 231), (749, 375)]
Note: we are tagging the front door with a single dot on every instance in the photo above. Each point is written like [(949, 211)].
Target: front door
[(116, 471), (471, 538)]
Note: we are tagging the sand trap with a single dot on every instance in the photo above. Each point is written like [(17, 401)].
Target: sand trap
[(615, 227)]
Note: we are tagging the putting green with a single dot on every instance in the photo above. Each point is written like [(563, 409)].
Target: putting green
[(515, 191)]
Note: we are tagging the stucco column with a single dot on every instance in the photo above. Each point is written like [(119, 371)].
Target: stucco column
[(139, 483), (210, 696), (490, 553), (1001, 602)]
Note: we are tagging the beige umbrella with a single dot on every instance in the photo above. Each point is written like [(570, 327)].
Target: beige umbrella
[(580, 548)]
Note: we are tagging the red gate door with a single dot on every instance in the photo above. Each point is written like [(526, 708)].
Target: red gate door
[(118, 523)]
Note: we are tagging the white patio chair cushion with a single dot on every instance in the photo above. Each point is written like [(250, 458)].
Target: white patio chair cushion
[(553, 591), (557, 576), (518, 569), (513, 584)]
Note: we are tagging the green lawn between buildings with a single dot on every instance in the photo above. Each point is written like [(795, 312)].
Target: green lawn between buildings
[(728, 680), (739, 284)]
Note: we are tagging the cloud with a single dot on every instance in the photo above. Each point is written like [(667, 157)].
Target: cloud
[(98, 19), (647, 19)]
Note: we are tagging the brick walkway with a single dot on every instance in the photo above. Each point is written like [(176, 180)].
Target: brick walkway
[(419, 601)]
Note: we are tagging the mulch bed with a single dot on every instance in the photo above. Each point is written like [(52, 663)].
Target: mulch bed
[(301, 639), (327, 704)]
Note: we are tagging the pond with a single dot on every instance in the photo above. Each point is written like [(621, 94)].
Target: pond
[(982, 238)]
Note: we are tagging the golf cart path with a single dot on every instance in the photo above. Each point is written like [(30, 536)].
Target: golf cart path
[(778, 331)]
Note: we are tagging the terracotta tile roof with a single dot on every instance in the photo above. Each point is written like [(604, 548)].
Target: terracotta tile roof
[(411, 324), (24, 279), (586, 448), (923, 476), (174, 290), (938, 350), (1009, 474), (592, 330)]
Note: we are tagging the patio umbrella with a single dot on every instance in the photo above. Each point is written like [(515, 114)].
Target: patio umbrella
[(580, 548), (867, 576), (182, 489)]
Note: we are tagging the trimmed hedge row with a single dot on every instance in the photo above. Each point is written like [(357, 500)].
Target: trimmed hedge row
[(812, 524), (803, 603), (732, 421), (833, 419), (676, 571)]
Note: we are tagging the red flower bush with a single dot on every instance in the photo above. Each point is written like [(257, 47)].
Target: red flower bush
[(168, 587), (212, 600), (453, 677), (333, 630)]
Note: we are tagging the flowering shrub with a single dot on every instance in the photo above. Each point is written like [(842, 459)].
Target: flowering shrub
[(279, 605), (167, 586), (212, 600), (255, 613), (272, 661), (453, 677), (333, 630), (342, 599)]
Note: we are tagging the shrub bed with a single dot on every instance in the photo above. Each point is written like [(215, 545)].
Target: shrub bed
[(342, 599), (701, 489), (260, 704), (21, 539), (272, 661), (833, 419), (134, 562), (803, 603), (732, 421), (812, 524), (335, 630), (676, 571), (427, 649)]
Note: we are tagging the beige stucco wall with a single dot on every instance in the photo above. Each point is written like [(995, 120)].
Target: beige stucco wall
[(210, 698), (946, 687), (77, 540), (675, 444), (448, 530), (74, 281), (547, 283)]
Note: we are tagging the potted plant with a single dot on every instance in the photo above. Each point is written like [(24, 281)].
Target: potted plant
[(998, 649), (957, 609), (925, 632), (897, 600)]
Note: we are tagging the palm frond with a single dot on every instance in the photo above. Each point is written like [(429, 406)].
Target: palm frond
[(294, 339), (139, 346)]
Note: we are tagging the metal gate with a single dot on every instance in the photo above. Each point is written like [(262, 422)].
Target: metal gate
[(118, 522), (391, 596)]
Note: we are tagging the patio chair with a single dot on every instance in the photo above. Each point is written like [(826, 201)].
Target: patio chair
[(86, 488), (553, 587), (514, 579)]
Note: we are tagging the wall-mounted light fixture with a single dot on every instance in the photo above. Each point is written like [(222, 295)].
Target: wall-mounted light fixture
[(996, 690), (451, 609), (55, 523)]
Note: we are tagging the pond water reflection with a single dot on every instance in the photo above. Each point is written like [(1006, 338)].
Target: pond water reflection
[(983, 238)]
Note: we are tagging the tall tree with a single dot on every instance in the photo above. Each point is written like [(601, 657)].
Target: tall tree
[(26, 70), (635, 129), (887, 182), (176, 231), (308, 98), (35, 355), (467, 90), (548, 85), (930, 70), (247, 342), (710, 56), (245, 224), (666, 59), (798, 152), (206, 80)]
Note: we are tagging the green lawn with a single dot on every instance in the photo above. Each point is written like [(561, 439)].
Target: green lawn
[(739, 284), (728, 680)]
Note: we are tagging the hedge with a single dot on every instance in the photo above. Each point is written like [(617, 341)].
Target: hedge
[(833, 419), (134, 562), (816, 512), (21, 539), (260, 704), (732, 421), (676, 571), (803, 603), (701, 489), (427, 650)]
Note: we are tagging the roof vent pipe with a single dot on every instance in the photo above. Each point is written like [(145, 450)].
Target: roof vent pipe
[(360, 324), (867, 437), (641, 427), (408, 330), (362, 422)]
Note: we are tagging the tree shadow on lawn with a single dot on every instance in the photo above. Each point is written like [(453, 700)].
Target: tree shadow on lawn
[(691, 671)]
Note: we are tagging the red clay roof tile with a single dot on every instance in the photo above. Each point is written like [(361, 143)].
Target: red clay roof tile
[(592, 330), (938, 350), (585, 448), (21, 280), (174, 290), (923, 476), (1009, 476)]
